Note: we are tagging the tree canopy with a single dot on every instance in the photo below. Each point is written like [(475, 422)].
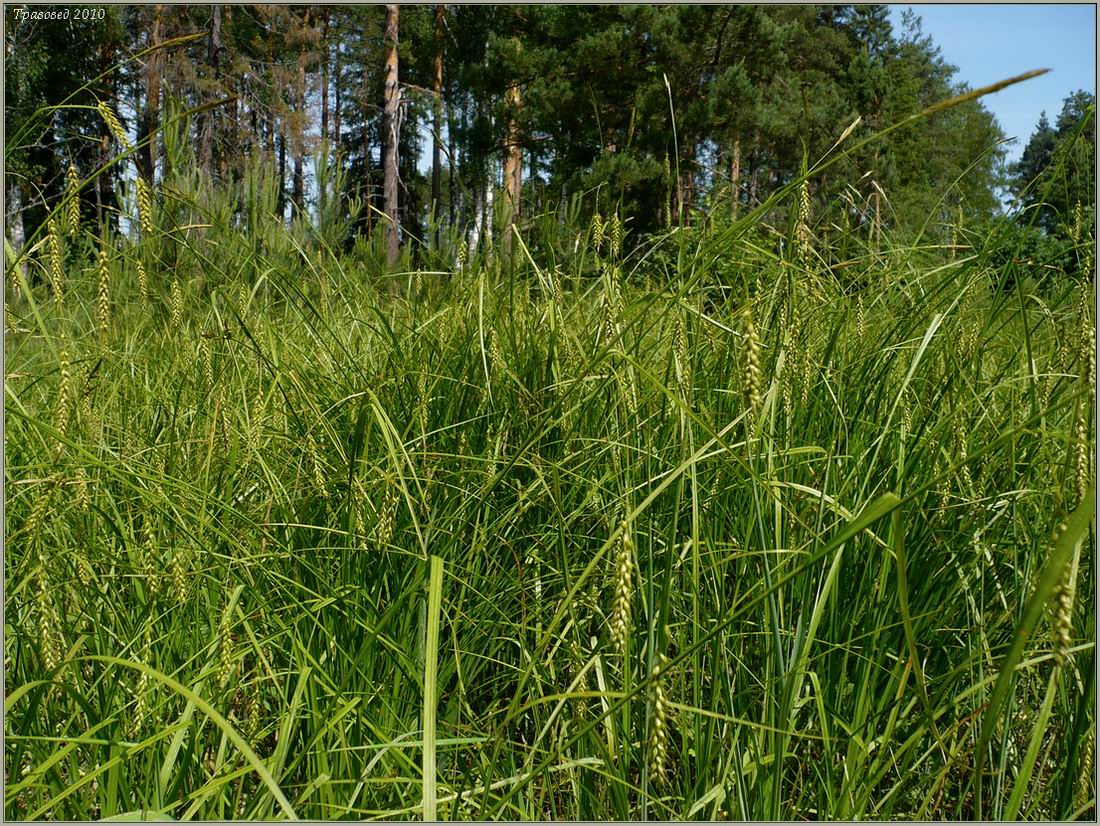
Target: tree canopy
[(661, 111)]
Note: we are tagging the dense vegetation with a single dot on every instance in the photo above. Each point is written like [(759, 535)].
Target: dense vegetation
[(775, 506)]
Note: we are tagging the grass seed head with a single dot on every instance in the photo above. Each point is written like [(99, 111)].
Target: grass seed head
[(49, 625), (176, 319), (225, 647), (387, 518), (659, 736), (596, 230), (680, 352), (57, 282), (145, 208), (141, 706), (64, 401), (207, 354), (802, 228), (616, 235), (623, 588), (113, 124), (103, 296), (753, 390), (143, 283), (72, 192), (179, 574), (316, 467), (82, 499)]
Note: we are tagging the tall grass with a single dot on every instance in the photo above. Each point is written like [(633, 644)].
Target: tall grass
[(687, 529)]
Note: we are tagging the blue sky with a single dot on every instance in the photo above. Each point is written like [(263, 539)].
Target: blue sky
[(997, 41)]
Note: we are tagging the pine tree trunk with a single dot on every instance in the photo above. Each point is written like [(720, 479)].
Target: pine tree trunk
[(475, 224), (487, 206), (512, 164), (368, 179), (213, 48), (754, 170), (735, 175), (282, 172), (451, 203), (336, 94), (151, 114), (298, 195), (269, 129), (437, 137), (324, 79), (390, 111)]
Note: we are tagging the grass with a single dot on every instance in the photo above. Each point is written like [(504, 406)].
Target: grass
[(346, 544)]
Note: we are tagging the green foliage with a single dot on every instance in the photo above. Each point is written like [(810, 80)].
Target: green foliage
[(226, 559), (1057, 169)]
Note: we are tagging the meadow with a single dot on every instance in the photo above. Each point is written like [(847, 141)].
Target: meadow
[(697, 525)]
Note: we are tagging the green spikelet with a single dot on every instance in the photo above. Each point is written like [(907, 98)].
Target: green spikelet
[(613, 305), (463, 253), (256, 419), (141, 694), (225, 647), (113, 124), (1086, 777), (49, 624), (387, 518), (358, 503), (802, 228), (145, 208), (176, 300), (207, 354), (316, 467), (143, 283), (680, 353), (57, 283), (658, 737), (961, 439), (753, 391), (72, 192), (103, 297), (616, 235), (1081, 455), (596, 230), (422, 407), (622, 584), (1062, 625), (495, 356), (221, 422), (48, 618), (180, 571), (82, 499), (1088, 344)]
